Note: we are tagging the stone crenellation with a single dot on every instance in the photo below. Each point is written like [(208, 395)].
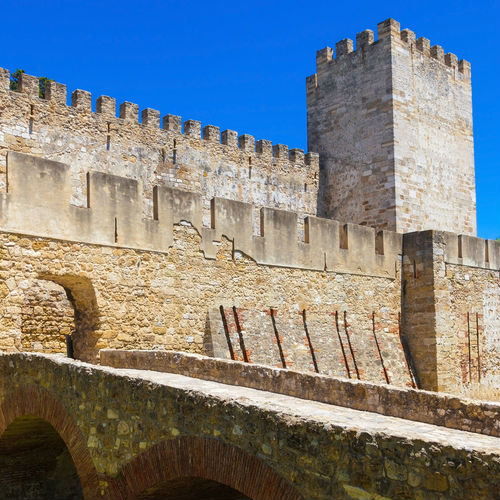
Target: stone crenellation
[(81, 100), (363, 249), (249, 329), (388, 28), (215, 165)]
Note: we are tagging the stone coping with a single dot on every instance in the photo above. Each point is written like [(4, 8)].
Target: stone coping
[(440, 409)]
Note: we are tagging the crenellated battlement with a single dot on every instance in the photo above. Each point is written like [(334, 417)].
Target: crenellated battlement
[(471, 251), (38, 203), (169, 233), (386, 30), (128, 113)]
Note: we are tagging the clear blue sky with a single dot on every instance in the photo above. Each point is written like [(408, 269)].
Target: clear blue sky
[(242, 65)]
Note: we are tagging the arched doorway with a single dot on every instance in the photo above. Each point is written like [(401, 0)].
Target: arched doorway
[(38, 312), (80, 293), (35, 462), (46, 316)]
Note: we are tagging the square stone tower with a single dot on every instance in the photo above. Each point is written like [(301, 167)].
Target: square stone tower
[(392, 122)]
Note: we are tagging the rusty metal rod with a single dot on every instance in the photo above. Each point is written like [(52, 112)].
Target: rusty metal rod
[(350, 346), (468, 345), (226, 331), (342, 344), (315, 363), (386, 375), (278, 340), (240, 335), (478, 353)]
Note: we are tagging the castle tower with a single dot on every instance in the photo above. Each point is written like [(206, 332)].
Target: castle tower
[(392, 122)]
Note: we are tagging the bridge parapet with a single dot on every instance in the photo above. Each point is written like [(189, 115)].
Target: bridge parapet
[(422, 406)]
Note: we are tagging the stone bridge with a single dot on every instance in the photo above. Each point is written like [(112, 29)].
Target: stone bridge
[(69, 429)]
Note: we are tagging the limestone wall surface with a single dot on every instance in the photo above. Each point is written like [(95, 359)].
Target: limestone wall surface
[(328, 301), (350, 125), (433, 149), (163, 290), (451, 310), (133, 299), (38, 202), (89, 136)]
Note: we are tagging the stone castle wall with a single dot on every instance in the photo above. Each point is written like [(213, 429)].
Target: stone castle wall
[(434, 149), (143, 237), (178, 155), (330, 302), (392, 122), (132, 299), (350, 125), (143, 283), (451, 305)]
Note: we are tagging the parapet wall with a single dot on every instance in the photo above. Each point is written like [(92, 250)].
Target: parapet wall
[(386, 29), (422, 406), (38, 203), (180, 154)]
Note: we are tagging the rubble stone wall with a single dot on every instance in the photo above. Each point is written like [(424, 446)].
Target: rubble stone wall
[(131, 430)]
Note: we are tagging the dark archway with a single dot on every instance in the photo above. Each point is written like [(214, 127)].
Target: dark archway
[(36, 410), (196, 465), (35, 462), (81, 295), (191, 488)]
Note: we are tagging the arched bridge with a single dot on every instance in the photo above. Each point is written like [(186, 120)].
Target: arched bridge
[(69, 429)]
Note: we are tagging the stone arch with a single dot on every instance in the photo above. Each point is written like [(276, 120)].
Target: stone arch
[(36, 406), (81, 294), (209, 460)]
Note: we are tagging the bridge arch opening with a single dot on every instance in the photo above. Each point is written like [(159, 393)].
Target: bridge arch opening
[(191, 467), (191, 488), (35, 462)]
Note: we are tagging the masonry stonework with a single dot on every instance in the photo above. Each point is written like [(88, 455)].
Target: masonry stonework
[(130, 431), (177, 155)]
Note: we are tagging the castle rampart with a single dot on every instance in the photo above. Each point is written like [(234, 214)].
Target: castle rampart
[(184, 237), (180, 154), (38, 203), (330, 302)]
